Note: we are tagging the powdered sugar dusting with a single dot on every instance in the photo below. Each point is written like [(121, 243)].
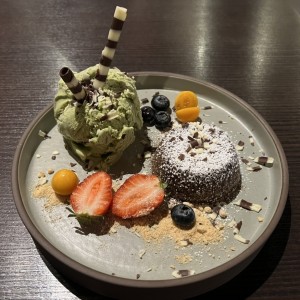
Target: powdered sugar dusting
[(198, 159)]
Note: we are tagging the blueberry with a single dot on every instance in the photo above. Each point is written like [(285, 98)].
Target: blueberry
[(162, 119), (183, 216), (160, 102), (148, 114)]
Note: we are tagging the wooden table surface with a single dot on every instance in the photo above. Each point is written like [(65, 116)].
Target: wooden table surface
[(249, 47)]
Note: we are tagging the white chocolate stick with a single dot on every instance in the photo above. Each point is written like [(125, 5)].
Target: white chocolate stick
[(111, 45), (72, 83)]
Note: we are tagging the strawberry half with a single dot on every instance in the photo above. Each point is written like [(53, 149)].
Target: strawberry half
[(138, 196), (93, 196)]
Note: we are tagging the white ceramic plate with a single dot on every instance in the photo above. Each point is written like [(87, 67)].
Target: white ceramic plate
[(111, 263)]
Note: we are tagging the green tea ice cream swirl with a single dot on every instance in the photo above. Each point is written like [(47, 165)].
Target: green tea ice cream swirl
[(100, 128)]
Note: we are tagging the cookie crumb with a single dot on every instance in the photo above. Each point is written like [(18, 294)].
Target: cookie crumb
[(260, 219), (50, 171)]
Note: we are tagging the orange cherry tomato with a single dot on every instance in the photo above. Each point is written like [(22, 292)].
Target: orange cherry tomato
[(64, 182), (189, 114), (186, 99)]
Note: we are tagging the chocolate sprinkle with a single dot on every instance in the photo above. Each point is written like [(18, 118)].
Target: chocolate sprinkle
[(207, 107), (212, 130), (172, 139), (262, 160), (103, 118), (185, 125), (189, 148), (245, 204), (256, 169), (245, 161), (183, 272), (149, 148), (200, 142), (238, 225), (194, 143), (110, 107), (181, 157), (251, 140), (118, 95), (144, 100), (240, 146)]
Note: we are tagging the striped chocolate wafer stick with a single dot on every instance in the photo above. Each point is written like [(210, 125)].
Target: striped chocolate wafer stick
[(72, 83), (111, 45)]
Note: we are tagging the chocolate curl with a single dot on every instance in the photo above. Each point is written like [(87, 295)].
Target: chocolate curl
[(72, 83), (111, 45)]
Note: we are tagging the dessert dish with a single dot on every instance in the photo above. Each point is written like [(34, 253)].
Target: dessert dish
[(198, 163), (177, 235), (98, 110)]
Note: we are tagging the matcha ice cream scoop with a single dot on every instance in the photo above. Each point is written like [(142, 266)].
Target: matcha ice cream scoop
[(100, 127)]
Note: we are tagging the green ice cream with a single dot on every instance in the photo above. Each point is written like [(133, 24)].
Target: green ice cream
[(103, 126)]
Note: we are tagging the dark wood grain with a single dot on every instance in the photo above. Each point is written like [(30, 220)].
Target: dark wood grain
[(249, 47)]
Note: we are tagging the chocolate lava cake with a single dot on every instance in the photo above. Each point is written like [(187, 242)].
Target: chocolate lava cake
[(199, 163)]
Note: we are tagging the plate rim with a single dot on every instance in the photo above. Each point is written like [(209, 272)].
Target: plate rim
[(163, 283)]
